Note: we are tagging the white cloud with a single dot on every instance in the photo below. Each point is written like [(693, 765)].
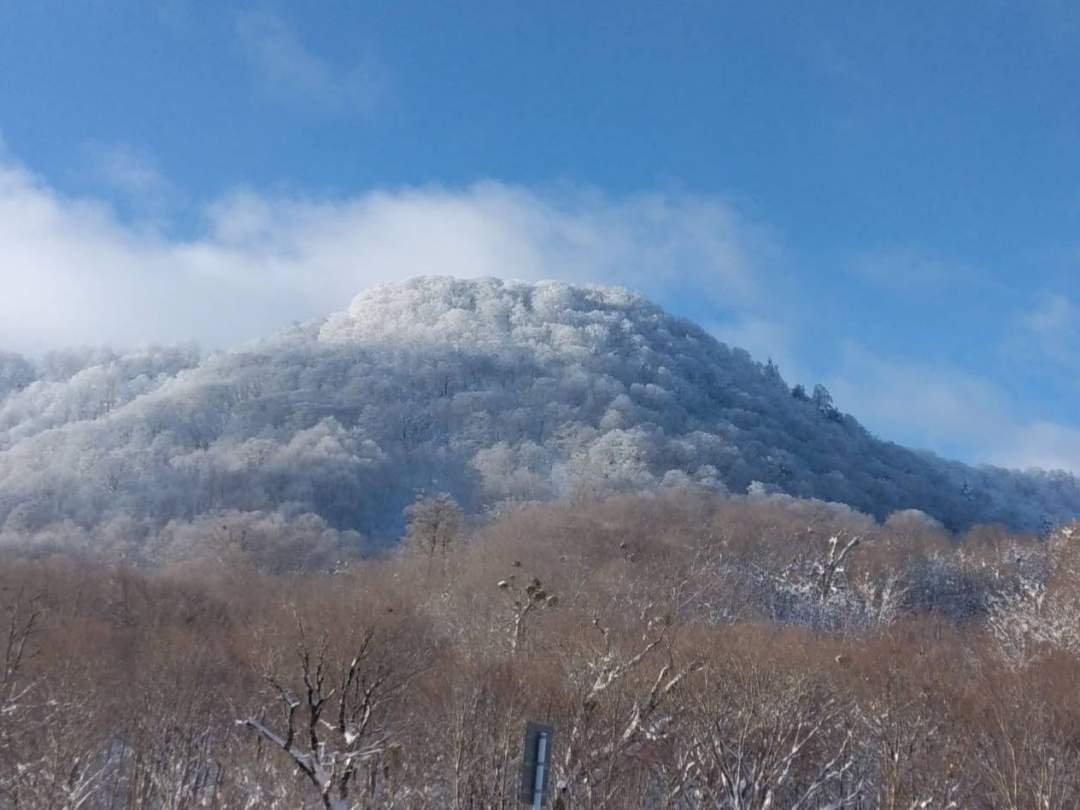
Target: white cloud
[(72, 272), (933, 405), (1041, 444), (952, 411), (288, 69)]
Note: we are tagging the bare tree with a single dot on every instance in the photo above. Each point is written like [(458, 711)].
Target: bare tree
[(599, 741), (1039, 611), (433, 526), (47, 755), (1024, 747), (832, 563), (524, 599), (331, 726), (24, 615), (762, 740), (15, 689)]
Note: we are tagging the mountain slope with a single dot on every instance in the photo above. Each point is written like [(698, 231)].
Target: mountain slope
[(486, 389)]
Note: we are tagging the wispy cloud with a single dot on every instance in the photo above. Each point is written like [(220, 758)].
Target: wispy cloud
[(1047, 445), (1052, 318), (764, 338), (964, 415), (288, 69), (132, 172), (926, 403), (909, 268), (1046, 336)]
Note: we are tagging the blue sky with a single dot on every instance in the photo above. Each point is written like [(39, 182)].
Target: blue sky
[(883, 197)]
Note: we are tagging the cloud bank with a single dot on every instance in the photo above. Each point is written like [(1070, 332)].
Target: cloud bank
[(74, 273)]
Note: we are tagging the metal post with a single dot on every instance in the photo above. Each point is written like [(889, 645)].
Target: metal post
[(541, 766), (537, 751)]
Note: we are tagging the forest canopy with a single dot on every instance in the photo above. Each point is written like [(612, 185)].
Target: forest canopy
[(491, 391), (690, 651)]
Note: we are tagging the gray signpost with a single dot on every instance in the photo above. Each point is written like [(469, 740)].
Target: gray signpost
[(536, 765)]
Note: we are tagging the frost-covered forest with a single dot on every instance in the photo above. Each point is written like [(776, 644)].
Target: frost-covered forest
[(492, 391), (690, 650), (342, 567)]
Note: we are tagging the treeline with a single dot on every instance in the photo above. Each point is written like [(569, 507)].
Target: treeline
[(691, 651), (489, 390)]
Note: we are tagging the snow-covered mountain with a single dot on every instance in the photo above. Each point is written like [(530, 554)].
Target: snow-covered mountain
[(487, 389)]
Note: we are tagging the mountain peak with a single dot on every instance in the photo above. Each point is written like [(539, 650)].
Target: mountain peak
[(477, 312), (486, 389)]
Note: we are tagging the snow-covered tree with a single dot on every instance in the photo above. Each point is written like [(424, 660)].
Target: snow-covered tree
[(487, 389)]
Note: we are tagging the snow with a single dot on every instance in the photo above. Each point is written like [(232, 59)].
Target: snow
[(485, 389)]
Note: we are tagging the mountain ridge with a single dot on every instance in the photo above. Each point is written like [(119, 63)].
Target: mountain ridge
[(487, 389)]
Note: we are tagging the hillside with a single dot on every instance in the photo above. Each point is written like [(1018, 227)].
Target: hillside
[(486, 389)]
